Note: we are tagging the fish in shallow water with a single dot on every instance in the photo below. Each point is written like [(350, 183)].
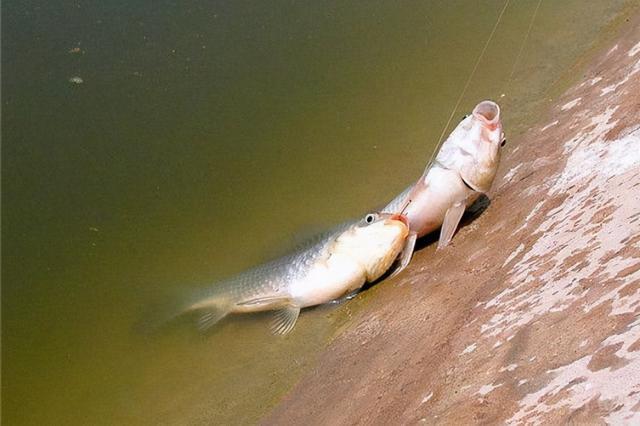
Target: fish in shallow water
[(463, 170), (339, 263)]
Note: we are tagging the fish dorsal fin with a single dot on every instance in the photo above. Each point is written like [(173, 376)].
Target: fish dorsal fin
[(284, 319), (209, 317)]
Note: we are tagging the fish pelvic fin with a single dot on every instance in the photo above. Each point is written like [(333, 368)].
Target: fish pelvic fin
[(406, 254), (285, 312), (284, 319), (451, 220), (210, 316)]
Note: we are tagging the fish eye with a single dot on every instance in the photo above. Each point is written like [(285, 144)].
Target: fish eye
[(370, 218)]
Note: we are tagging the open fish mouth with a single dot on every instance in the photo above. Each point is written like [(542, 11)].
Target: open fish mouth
[(400, 217), (488, 112)]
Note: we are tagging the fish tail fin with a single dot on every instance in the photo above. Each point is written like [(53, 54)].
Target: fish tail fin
[(160, 315), (156, 316)]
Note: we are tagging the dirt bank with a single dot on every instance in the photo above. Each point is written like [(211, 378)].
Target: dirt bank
[(532, 314)]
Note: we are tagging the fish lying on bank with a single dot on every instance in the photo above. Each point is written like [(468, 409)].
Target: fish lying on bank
[(463, 170), (338, 264)]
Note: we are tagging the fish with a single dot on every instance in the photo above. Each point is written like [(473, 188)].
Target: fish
[(336, 264), (463, 169)]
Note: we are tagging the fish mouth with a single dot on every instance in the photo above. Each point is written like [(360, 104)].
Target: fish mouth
[(400, 217), (488, 112)]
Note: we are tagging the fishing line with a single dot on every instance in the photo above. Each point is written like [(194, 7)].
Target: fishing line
[(409, 200), (466, 86), (524, 42)]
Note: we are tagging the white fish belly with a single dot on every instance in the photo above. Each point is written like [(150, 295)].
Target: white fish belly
[(328, 280), (444, 188)]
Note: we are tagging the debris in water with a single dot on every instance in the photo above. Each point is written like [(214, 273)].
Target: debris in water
[(76, 80), (75, 50)]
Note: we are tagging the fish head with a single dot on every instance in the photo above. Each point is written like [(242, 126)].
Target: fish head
[(375, 242), (473, 148)]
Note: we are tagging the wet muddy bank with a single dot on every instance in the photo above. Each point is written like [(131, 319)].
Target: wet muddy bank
[(531, 314)]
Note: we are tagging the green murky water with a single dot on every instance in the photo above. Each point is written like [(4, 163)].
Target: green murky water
[(203, 136)]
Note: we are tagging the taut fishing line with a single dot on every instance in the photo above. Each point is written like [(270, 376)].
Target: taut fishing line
[(473, 71), (466, 86)]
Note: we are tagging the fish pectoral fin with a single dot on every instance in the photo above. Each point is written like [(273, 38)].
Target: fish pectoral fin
[(284, 319), (268, 300), (406, 254), (209, 317), (450, 224)]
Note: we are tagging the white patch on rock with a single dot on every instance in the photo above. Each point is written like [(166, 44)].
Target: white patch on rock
[(601, 123), (571, 104), (553, 123), (616, 387), (634, 50), (627, 304), (513, 255), (469, 349), (427, 398), (531, 215), (613, 87), (511, 173), (486, 389), (477, 255), (509, 367), (599, 173), (594, 80)]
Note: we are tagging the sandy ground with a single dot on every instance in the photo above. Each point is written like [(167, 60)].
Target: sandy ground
[(532, 315)]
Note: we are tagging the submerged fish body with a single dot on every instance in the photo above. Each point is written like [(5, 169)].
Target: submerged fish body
[(338, 264), (463, 169)]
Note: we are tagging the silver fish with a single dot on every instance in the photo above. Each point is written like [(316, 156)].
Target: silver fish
[(339, 263), (463, 170)]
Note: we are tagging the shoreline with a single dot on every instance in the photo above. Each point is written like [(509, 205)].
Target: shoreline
[(531, 313)]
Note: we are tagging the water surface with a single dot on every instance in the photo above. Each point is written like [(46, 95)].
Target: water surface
[(203, 137)]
